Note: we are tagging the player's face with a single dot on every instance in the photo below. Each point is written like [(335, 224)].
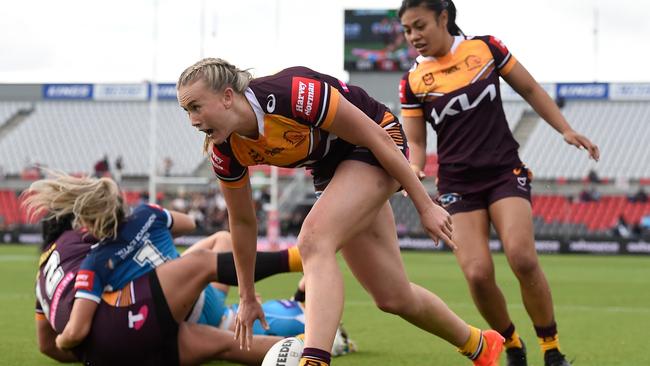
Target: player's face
[(209, 112), (425, 30)]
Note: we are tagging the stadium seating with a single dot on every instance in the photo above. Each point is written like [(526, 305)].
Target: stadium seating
[(9, 109), (73, 135), (621, 129)]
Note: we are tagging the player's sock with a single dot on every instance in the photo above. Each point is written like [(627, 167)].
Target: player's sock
[(295, 260), (266, 264), (548, 337), (512, 337), (474, 345), (315, 357)]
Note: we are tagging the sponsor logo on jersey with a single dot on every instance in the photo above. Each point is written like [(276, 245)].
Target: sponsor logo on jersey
[(461, 103), (257, 157), (473, 62), (522, 181), (344, 86), (498, 44), (136, 321), (402, 91), (84, 281), (305, 98), (295, 138), (270, 105), (274, 151), (448, 199), (451, 70), (220, 162), (428, 79)]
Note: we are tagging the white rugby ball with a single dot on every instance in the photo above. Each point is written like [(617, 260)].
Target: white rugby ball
[(286, 352)]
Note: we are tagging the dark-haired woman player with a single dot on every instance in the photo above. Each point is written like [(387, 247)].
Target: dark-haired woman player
[(454, 85)]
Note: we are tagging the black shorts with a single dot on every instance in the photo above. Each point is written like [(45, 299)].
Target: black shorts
[(144, 333), (479, 193), (342, 150)]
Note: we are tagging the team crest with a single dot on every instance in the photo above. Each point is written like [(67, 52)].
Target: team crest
[(448, 199), (428, 79), (473, 62)]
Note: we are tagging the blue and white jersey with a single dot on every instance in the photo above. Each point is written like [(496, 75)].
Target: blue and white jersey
[(144, 242)]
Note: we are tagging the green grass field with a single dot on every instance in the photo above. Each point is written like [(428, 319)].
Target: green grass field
[(602, 309)]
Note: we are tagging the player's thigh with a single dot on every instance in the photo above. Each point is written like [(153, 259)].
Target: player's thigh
[(471, 235), (374, 257), (513, 219), (347, 206)]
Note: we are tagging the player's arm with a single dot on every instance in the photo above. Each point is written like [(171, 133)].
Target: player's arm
[(524, 84), (243, 230), (47, 342), (181, 223), (78, 327), (416, 133), (352, 125)]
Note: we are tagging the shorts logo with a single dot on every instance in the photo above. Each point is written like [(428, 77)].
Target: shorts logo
[(136, 321), (448, 199), (220, 162), (522, 181), (270, 106), (84, 280), (305, 98)]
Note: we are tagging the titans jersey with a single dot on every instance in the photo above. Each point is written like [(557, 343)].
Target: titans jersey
[(143, 243), (58, 267), (285, 318), (459, 96), (294, 110)]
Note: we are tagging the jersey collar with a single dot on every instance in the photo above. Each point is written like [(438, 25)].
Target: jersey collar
[(457, 41), (257, 108)]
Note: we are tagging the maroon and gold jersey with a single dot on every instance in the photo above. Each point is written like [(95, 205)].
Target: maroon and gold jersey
[(294, 110), (459, 95), (58, 268)]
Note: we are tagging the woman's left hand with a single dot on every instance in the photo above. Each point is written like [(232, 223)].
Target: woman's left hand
[(247, 313), (581, 142)]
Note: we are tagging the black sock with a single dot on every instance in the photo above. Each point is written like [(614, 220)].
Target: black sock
[(266, 264), (299, 295)]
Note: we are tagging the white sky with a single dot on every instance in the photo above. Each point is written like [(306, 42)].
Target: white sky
[(112, 41)]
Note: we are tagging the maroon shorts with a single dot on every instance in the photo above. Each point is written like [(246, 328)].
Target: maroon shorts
[(342, 150), (144, 333), (457, 195)]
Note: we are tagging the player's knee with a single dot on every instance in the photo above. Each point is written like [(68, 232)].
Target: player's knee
[(479, 276), (312, 244), (524, 265), (393, 305), (222, 241), (202, 261)]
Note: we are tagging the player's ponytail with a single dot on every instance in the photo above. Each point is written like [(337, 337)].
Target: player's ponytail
[(437, 6), (96, 204)]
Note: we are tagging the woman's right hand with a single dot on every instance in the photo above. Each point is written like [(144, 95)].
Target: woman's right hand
[(249, 310), (438, 225)]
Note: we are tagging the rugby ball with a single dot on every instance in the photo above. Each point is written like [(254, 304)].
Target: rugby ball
[(286, 352)]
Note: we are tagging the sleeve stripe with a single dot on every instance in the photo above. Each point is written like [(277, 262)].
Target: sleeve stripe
[(407, 106), (170, 220), (326, 90), (87, 296), (505, 60), (331, 109)]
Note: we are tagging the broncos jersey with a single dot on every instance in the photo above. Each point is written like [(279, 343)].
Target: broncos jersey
[(459, 95), (58, 267), (294, 110), (143, 243)]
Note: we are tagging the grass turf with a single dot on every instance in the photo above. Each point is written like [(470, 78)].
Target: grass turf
[(602, 307)]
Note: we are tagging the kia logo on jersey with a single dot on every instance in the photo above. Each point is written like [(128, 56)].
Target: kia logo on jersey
[(136, 321), (305, 98), (461, 103)]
